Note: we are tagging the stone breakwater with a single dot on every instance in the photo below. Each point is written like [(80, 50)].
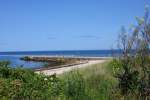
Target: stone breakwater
[(59, 62), (50, 58)]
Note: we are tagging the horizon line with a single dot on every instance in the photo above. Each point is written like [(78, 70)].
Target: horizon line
[(58, 50)]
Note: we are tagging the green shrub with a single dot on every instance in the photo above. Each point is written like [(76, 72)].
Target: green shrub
[(24, 84), (74, 86), (115, 66), (4, 63), (134, 79)]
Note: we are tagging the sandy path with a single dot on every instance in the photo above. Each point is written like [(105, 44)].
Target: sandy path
[(66, 69)]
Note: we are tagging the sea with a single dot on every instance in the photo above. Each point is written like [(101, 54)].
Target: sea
[(14, 57)]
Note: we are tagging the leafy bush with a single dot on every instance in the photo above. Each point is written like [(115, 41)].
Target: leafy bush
[(134, 80), (24, 84), (19, 83), (4, 63)]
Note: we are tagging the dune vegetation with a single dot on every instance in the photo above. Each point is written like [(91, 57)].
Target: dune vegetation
[(92, 83)]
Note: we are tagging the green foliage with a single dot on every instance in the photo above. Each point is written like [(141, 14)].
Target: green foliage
[(97, 83), (24, 84), (4, 63), (19, 83), (74, 87), (134, 80), (93, 83), (116, 66)]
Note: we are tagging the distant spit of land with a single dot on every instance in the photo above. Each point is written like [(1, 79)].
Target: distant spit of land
[(61, 64)]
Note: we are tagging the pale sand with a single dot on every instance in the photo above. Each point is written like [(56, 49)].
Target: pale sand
[(66, 69)]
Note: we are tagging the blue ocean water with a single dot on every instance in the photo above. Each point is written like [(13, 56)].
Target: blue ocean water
[(85, 53), (16, 62), (14, 57)]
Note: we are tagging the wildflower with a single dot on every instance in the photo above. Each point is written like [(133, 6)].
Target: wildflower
[(45, 79), (51, 78)]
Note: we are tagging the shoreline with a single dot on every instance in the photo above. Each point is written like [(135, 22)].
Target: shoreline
[(54, 62), (68, 61), (59, 56), (62, 70)]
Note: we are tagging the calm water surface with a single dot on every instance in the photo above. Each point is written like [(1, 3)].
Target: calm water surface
[(16, 62)]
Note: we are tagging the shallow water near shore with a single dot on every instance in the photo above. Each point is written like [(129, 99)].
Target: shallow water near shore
[(16, 62)]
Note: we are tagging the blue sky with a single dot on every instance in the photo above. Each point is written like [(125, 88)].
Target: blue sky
[(64, 24)]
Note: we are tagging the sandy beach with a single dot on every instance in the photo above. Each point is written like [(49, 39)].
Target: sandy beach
[(69, 68)]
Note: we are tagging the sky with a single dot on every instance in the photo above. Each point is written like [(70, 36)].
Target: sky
[(37, 25)]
